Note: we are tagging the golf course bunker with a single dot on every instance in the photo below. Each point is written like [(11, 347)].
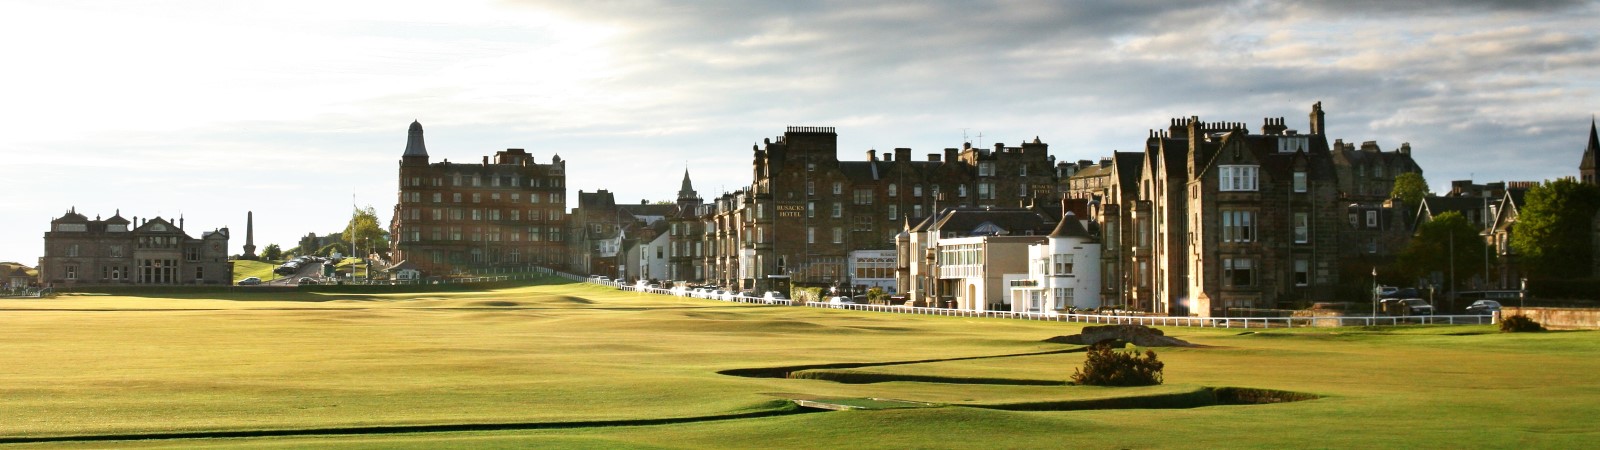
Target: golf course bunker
[(1202, 397), (570, 299), (850, 377), (800, 372), (1139, 335), (496, 304)]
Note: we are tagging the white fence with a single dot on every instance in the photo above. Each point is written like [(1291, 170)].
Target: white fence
[(1169, 321)]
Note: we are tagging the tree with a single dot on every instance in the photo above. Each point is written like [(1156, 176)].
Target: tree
[(1410, 187), (1438, 242), (272, 252), (1107, 367), (364, 228), (1553, 229), (341, 248)]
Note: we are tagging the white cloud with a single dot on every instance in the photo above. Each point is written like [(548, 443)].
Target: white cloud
[(288, 108)]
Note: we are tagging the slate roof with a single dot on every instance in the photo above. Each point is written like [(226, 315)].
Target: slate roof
[(414, 145), (1069, 226), (969, 221)]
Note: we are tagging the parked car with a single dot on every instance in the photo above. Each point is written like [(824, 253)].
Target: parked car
[(307, 280), (252, 281), (774, 295), (841, 301), (1402, 293), (1387, 291), (1414, 307), (1483, 307)]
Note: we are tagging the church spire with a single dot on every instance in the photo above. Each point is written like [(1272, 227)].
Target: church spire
[(1586, 167), (1594, 138), (687, 191)]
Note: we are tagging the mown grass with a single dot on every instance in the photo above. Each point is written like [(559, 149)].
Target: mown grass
[(84, 365), (260, 269)]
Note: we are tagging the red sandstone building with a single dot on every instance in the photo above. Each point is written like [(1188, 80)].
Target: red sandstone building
[(503, 212)]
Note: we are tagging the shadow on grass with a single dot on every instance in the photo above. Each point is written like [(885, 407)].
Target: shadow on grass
[(798, 371), (1207, 396), (774, 408)]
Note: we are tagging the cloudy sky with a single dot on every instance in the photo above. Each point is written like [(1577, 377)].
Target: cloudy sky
[(297, 109)]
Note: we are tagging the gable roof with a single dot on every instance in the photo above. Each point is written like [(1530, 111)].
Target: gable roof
[(992, 221)]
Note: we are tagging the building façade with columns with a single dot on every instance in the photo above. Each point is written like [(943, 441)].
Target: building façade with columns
[(507, 211), (117, 251)]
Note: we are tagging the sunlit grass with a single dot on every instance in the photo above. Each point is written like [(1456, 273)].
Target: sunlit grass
[(83, 365)]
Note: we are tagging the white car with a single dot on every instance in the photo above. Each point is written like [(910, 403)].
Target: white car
[(251, 281)]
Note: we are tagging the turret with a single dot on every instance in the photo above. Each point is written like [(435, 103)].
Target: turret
[(416, 152)]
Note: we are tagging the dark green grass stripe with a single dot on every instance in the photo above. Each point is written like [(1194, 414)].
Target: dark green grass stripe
[(784, 371), (788, 409)]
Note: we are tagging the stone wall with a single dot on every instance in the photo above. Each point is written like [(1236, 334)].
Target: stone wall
[(1558, 318)]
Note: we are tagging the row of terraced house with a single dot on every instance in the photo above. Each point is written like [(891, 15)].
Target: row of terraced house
[(1205, 216)]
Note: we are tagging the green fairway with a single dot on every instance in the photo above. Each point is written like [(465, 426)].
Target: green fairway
[(260, 269), (575, 365)]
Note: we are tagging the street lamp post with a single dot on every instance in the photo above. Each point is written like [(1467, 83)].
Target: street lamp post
[(1522, 297), (1374, 291)]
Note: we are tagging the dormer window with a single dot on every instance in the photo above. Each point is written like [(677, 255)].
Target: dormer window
[(1291, 144), (72, 227)]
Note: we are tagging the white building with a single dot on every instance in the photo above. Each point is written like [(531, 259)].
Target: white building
[(1063, 271), (653, 259), (976, 270), (873, 269)]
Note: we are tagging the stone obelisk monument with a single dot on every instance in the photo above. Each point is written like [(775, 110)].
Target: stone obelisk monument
[(249, 236)]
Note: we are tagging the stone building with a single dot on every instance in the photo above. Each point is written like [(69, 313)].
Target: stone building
[(806, 211), (604, 234), (1367, 174), (1209, 216), (80, 251), (1110, 191), (508, 211)]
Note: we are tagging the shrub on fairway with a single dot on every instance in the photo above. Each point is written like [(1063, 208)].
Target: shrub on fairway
[(1107, 367), (1519, 324)]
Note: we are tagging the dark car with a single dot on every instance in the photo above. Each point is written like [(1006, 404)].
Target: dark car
[(1483, 307), (1414, 307)]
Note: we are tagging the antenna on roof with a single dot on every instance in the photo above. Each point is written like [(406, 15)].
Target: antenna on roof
[(964, 138)]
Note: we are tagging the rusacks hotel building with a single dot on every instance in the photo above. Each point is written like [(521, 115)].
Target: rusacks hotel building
[(505, 212)]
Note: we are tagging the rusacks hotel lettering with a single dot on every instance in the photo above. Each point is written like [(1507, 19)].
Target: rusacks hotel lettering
[(790, 209)]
